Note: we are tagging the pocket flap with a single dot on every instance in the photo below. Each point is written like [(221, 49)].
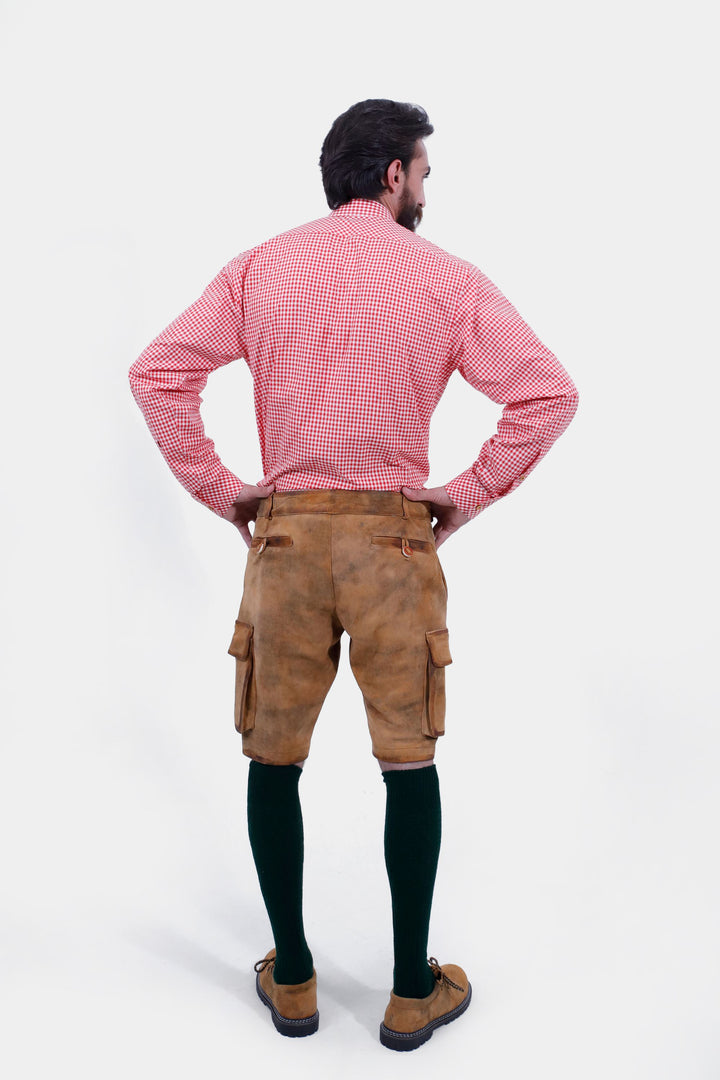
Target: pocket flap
[(240, 644), (439, 645)]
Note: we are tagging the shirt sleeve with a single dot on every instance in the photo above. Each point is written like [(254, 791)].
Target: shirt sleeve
[(500, 355), (166, 381)]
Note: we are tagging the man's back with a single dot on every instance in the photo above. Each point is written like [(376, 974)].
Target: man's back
[(352, 326), (349, 325)]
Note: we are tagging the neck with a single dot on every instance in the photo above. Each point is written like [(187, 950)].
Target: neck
[(390, 201)]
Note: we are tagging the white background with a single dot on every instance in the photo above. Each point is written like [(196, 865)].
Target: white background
[(147, 143)]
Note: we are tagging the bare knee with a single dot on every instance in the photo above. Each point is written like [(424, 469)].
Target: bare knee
[(397, 765)]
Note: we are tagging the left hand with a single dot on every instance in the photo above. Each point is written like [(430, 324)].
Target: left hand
[(245, 508), (449, 518)]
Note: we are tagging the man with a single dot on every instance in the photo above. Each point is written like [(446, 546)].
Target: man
[(351, 326)]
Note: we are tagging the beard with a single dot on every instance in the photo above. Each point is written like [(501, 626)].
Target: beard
[(410, 214)]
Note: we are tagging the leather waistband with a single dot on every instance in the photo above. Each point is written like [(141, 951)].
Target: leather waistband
[(342, 501)]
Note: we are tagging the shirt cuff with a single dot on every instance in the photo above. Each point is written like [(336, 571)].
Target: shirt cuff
[(221, 493), (468, 494)]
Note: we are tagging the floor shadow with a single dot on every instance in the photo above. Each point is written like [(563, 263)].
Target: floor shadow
[(363, 1001)]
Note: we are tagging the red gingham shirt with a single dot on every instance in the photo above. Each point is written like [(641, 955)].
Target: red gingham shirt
[(351, 326)]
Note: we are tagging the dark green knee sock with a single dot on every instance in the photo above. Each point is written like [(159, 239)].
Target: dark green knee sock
[(412, 847), (276, 837)]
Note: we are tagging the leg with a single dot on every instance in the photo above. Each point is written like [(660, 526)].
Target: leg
[(275, 828), (412, 847), (392, 602), (287, 647)]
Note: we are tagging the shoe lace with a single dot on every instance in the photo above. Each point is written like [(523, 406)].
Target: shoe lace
[(262, 964), (440, 974)]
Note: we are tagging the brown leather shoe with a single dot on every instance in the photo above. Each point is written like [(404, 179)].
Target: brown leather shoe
[(409, 1022), (293, 1005)]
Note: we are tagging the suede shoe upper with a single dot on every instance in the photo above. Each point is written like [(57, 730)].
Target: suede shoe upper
[(409, 1015), (293, 1001)]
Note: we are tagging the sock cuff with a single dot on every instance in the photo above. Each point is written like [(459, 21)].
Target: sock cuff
[(410, 781), (275, 778)]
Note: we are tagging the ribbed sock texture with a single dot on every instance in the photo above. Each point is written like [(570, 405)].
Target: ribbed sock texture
[(412, 846), (275, 828)]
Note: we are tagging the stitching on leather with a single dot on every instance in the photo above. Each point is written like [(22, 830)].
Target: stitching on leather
[(437, 1022)]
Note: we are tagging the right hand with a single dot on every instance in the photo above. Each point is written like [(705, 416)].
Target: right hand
[(245, 508)]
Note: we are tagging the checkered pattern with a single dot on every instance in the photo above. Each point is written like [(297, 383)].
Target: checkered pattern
[(351, 327)]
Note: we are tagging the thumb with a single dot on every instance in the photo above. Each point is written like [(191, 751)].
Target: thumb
[(416, 494)]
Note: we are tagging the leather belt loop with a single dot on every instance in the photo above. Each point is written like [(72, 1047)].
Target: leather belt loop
[(270, 507), (404, 507)]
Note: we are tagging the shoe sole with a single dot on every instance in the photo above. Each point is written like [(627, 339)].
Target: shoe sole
[(295, 1029), (401, 1040)]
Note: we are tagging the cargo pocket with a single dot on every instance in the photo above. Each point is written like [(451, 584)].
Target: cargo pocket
[(241, 647), (433, 722)]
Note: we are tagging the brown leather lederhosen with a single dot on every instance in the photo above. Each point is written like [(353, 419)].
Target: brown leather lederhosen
[(325, 561)]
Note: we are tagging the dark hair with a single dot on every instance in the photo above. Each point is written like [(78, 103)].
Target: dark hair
[(362, 143)]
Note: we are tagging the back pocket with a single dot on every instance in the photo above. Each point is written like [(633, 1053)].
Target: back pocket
[(241, 647), (259, 543), (407, 546), (438, 646)]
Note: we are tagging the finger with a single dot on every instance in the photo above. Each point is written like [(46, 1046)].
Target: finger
[(414, 493), (245, 533), (434, 495), (441, 534)]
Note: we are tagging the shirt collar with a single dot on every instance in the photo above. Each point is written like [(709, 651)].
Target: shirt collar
[(364, 208)]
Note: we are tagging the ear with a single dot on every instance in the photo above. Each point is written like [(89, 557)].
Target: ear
[(394, 176)]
